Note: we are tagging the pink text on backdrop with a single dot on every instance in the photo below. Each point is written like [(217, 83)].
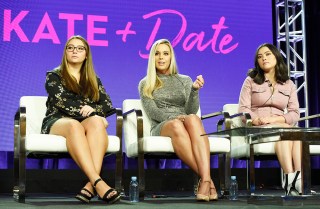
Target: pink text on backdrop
[(13, 24), (46, 30), (193, 38)]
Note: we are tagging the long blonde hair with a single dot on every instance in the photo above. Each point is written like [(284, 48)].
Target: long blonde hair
[(88, 84), (152, 80)]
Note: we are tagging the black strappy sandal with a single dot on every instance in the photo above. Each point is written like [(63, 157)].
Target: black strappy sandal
[(83, 197), (114, 198)]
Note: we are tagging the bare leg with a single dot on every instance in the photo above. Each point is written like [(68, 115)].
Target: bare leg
[(180, 141), (288, 153), (184, 148), (201, 149), (200, 145), (98, 142), (283, 150), (296, 155), (79, 149)]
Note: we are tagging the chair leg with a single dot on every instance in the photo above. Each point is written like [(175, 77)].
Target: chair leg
[(141, 176), (19, 189), (119, 173), (224, 174), (222, 177), (227, 173), (19, 169), (252, 171)]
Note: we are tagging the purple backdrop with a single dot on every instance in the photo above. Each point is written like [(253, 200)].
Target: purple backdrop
[(214, 38)]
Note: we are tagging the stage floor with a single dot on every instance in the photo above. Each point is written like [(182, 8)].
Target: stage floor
[(270, 199)]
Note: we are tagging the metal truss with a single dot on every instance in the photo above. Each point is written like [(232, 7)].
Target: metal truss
[(291, 41)]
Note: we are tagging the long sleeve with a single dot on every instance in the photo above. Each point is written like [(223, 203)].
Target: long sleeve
[(151, 108), (69, 103), (260, 100), (65, 101), (245, 99), (104, 106), (175, 97), (193, 103), (292, 116)]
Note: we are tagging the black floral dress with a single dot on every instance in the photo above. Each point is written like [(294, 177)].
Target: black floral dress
[(64, 103)]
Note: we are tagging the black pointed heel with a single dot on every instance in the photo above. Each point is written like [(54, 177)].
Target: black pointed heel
[(114, 198)]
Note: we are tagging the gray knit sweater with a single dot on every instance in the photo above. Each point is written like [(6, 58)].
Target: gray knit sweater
[(176, 97)]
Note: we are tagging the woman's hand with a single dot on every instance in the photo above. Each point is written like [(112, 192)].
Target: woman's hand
[(86, 110), (268, 120), (256, 122), (181, 118), (198, 83)]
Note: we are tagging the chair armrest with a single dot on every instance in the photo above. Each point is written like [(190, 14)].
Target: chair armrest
[(310, 117), (128, 112), (210, 115), (22, 123), (119, 125), (19, 132), (228, 119), (139, 119), (214, 114)]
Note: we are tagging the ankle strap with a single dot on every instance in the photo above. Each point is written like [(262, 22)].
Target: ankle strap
[(295, 178), (96, 182)]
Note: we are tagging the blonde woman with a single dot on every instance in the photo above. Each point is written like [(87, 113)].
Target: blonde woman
[(171, 101), (77, 107)]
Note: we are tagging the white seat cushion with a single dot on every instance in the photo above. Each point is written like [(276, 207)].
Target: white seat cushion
[(164, 145), (54, 143), (156, 144), (37, 142), (239, 147)]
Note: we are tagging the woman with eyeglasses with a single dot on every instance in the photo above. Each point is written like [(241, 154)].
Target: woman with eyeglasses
[(266, 93), (77, 107)]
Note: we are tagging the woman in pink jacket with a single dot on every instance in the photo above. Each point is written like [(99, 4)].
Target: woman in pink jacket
[(270, 97)]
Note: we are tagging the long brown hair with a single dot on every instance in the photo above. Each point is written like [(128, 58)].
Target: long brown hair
[(281, 69), (88, 84)]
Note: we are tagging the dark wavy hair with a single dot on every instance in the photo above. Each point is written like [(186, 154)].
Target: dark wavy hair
[(281, 69)]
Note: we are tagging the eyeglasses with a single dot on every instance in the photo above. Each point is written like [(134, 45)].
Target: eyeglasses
[(70, 48)]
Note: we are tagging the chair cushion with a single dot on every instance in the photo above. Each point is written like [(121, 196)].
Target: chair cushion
[(219, 145), (240, 149), (164, 145), (243, 150), (54, 143), (36, 142), (156, 144)]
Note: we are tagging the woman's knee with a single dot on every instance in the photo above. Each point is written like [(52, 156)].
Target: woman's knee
[(193, 120), (175, 127), (94, 123), (74, 126), (67, 127)]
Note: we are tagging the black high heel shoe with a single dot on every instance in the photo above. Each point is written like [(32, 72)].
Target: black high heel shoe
[(83, 197), (114, 198)]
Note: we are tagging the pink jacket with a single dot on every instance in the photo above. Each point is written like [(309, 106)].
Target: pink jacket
[(258, 101)]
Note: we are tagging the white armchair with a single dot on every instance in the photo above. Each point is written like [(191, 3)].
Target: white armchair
[(139, 144), (30, 143), (240, 148)]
